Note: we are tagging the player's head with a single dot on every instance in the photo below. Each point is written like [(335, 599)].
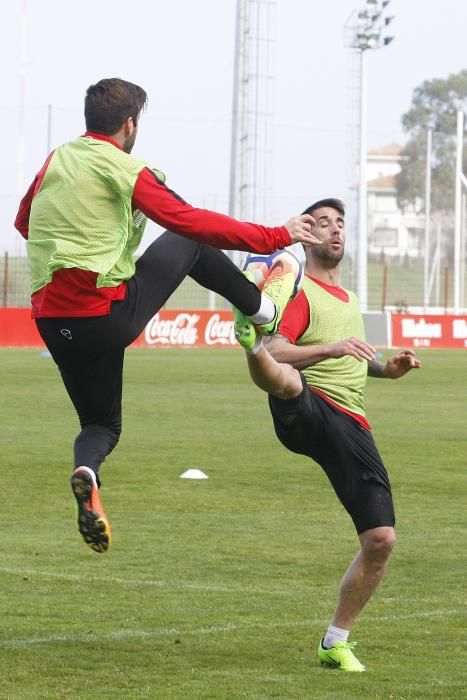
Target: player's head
[(330, 229), (113, 104)]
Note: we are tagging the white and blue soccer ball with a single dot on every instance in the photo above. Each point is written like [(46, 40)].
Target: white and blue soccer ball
[(261, 266)]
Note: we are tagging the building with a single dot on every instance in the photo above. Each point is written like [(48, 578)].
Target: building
[(391, 232)]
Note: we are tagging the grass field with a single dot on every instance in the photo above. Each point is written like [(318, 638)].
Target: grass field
[(220, 589)]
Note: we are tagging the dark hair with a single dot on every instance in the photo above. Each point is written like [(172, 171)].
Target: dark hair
[(110, 102), (336, 204)]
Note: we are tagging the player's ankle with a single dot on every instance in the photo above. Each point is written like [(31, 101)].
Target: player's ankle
[(256, 347)]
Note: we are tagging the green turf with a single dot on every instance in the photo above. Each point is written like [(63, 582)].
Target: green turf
[(221, 588)]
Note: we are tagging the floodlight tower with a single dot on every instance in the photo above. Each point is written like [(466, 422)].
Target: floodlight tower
[(365, 29), (252, 111)]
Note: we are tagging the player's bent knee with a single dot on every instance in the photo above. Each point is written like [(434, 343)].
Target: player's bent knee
[(287, 393), (291, 386), (379, 542)]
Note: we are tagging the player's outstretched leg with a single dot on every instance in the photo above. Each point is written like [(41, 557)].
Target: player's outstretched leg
[(93, 523), (245, 330), (340, 656), (273, 377)]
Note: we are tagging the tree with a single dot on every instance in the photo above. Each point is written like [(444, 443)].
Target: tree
[(435, 104)]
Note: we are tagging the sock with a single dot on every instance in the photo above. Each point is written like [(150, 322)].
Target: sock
[(266, 312), (333, 635), (258, 344)]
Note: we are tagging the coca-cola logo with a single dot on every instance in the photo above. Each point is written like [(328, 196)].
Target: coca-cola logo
[(180, 330), (219, 332)]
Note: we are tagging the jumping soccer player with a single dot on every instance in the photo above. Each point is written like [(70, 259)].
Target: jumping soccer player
[(83, 218), (317, 405)]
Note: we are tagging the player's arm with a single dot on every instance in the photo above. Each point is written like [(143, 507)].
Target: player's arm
[(294, 324), (301, 356), (276, 378), (377, 369), (395, 367), (22, 217), (166, 208)]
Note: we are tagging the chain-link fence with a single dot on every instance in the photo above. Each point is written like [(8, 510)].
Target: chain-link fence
[(392, 285), (15, 291)]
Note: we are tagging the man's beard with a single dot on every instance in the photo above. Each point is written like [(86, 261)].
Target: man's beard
[(129, 142), (328, 257)]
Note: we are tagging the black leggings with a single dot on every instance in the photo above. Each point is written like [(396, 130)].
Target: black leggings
[(89, 352)]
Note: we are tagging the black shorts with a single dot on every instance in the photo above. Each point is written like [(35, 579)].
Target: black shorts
[(311, 426)]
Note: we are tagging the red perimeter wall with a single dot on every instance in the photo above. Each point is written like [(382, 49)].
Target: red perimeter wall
[(189, 328), (166, 329), (17, 329)]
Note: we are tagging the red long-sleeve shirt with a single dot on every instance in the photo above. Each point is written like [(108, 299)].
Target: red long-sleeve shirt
[(73, 292)]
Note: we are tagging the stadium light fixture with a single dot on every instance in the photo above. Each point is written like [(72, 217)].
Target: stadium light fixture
[(364, 30)]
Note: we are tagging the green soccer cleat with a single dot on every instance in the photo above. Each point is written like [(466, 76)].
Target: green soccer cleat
[(340, 656), (280, 288), (245, 331)]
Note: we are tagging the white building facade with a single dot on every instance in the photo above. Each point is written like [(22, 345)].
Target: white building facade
[(391, 232)]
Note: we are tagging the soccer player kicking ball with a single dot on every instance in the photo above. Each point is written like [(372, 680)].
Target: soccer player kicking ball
[(83, 218), (314, 370)]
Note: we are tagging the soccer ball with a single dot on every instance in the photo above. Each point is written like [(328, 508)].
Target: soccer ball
[(261, 266)]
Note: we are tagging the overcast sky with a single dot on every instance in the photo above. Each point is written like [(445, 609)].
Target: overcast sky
[(181, 52)]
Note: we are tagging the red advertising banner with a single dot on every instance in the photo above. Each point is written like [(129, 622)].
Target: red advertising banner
[(190, 329), (166, 329), (426, 331), (17, 329)]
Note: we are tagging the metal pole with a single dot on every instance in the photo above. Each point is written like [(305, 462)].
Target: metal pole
[(23, 42), (384, 295), (446, 289), (212, 300), (362, 238), (234, 134), (426, 267), (438, 263), (5, 279), (458, 212), (463, 250)]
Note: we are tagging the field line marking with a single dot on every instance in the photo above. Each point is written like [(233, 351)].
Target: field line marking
[(211, 629), (156, 583), (119, 634)]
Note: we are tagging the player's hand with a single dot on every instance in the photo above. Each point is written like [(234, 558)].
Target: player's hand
[(353, 347), (400, 364), (300, 229)]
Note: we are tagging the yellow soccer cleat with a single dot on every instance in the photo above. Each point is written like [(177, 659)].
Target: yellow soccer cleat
[(340, 656)]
